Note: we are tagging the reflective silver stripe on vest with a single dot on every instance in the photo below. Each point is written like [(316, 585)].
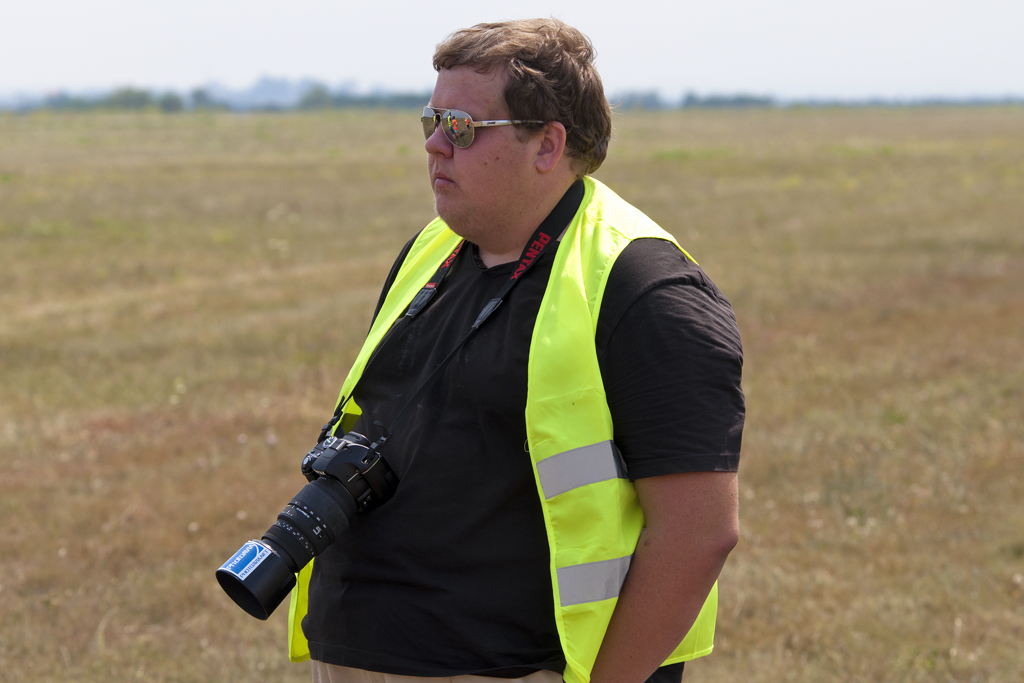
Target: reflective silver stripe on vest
[(592, 581), (579, 467)]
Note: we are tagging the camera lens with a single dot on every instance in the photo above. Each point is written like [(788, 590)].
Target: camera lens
[(347, 475), (261, 574), (311, 521)]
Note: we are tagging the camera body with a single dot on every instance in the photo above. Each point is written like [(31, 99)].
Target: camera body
[(352, 460), (346, 475)]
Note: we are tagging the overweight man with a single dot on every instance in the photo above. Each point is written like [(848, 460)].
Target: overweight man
[(559, 385)]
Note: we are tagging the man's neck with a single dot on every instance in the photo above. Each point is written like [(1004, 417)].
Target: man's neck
[(510, 244), (491, 259)]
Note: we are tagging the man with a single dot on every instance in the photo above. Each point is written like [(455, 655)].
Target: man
[(599, 400)]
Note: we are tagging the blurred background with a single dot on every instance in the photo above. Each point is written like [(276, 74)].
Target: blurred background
[(199, 203)]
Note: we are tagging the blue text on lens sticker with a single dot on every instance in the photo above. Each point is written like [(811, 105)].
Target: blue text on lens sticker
[(245, 561)]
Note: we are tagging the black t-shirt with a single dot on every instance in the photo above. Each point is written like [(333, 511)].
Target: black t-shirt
[(450, 576)]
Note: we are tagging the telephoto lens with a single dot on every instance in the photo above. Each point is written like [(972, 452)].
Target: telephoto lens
[(347, 475)]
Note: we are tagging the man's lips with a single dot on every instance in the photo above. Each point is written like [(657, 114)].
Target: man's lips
[(442, 180)]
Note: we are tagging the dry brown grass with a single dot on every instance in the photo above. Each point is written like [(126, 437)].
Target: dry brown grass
[(170, 284)]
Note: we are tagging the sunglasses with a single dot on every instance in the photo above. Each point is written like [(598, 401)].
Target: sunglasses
[(458, 126)]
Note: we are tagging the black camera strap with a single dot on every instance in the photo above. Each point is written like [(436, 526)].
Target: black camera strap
[(419, 302)]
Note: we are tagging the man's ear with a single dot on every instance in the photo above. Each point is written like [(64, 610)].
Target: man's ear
[(552, 146)]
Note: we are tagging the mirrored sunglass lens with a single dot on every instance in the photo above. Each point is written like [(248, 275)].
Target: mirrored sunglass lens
[(429, 120), (458, 127)]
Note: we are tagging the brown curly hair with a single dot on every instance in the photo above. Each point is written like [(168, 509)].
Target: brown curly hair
[(551, 78)]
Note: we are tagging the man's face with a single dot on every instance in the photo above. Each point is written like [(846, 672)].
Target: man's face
[(477, 190)]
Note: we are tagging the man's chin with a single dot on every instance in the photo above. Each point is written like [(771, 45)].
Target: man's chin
[(460, 219), (446, 213)]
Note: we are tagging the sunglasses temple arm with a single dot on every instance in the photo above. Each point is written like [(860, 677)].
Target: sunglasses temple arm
[(505, 122)]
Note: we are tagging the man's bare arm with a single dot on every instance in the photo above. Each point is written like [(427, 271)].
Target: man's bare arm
[(692, 525)]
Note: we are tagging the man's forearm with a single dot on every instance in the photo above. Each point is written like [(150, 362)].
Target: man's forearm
[(676, 563)]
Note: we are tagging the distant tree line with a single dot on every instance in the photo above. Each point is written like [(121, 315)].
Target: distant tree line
[(651, 100), (122, 98), (137, 99), (319, 97)]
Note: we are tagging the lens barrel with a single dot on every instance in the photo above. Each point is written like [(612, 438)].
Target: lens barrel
[(311, 521), (351, 477)]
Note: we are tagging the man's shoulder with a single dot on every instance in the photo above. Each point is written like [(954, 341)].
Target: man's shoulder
[(647, 266), (648, 262), (605, 210)]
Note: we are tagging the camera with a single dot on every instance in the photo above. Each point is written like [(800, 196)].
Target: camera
[(346, 475)]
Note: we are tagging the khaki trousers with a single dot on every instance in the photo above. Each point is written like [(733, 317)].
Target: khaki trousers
[(332, 673)]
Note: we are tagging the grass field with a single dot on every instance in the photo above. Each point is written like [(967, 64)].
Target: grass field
[(180, 297)]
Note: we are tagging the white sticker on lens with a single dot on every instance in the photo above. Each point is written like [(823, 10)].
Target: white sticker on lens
[(245, 561)]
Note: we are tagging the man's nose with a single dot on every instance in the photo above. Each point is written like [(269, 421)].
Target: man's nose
[(437, 143)]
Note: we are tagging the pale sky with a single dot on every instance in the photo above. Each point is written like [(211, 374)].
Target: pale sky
[(786, 48)]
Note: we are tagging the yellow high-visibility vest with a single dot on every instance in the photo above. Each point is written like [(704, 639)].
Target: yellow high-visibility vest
[(591, 514)]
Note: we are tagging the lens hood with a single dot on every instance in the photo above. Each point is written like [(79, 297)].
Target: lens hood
[(256, 578)]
